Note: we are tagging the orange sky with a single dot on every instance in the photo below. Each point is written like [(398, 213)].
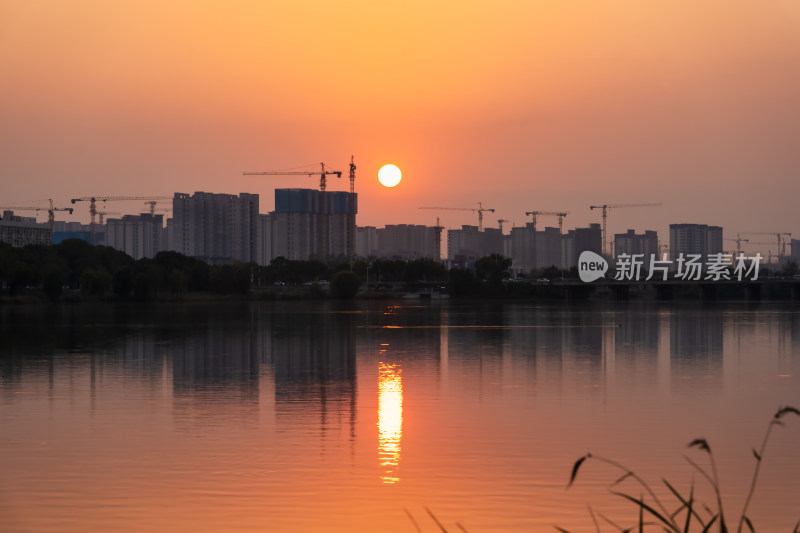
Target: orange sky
[(519, 105)]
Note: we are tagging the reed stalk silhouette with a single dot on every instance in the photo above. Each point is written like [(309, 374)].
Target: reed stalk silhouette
[(435, 520), (657, 512)]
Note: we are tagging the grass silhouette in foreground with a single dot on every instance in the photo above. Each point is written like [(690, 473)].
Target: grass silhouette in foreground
[(675, 521), (436, 520)]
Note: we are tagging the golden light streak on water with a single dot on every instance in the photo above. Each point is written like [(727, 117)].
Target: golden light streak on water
[(390, 420)]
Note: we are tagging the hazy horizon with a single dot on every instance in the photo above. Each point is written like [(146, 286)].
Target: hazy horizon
[(532, 106)]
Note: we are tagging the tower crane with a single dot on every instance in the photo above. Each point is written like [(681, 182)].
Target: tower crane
[(438, 229), (500, 222), (102, 214), (352, 176), (152, 204), (605, 207), (739, 240), (351, 217), (560, 215), (51, 218), (781, 241), (480, 210), (322, 224), (94, 199), (322, 173), (769, 251)]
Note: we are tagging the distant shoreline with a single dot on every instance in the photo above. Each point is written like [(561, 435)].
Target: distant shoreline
[(557, 291)]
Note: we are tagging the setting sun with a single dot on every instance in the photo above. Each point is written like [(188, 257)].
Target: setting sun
[(389, 175)]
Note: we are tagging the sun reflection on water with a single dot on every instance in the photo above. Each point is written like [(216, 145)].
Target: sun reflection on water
[(390, 420)]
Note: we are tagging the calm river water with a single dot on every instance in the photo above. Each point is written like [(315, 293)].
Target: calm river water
[(309, 417)]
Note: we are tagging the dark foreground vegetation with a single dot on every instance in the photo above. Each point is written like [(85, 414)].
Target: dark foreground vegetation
[(687, 513), (75, 269)]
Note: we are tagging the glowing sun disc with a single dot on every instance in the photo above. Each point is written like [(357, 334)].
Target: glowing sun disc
[(389, 175)]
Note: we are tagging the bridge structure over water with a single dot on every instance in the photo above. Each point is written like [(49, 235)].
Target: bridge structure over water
[(744, 290), (766, 289)]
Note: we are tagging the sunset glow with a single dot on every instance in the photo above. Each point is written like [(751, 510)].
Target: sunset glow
[(366, 266), (567, 104), (390, 420), (389, 175)]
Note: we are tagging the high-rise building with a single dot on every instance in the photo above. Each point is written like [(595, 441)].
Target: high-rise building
[(63, 230), (542, 249), (264, 240), (699, 239), (633, 243), (216, 228), (407, 241), (466, 245), (548, 248), (168, 235), (580, 240), (137, 235), (367, 241), (20, 231), (522, 248), (492, 241), (795, 249), (507, 247), (310, 223)]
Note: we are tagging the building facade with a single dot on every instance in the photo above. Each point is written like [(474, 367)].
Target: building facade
[(696, 239), (467, 245), (309, 223), (550, 248), (367, 241), (215, 228), (632, 243), (63, 231), (264, 248), (21, 231), (137, 235), (407, 241)]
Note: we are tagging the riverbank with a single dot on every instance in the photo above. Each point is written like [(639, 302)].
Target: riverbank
[(566, 290)]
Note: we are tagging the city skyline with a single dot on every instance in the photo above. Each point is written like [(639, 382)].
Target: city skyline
[(533, 107), (749, 242)]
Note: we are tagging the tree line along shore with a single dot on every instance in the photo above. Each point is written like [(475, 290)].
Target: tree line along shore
[(75, 270)]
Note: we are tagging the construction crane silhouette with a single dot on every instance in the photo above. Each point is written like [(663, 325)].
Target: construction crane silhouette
[(94, 199), (500, 222), (322, 224), (101, 215), (51, 217), (605, 207), (351, 217), (480, 210), (769, 245), (560, 215), (739, 240), (322, 173), (438, 229), (781, 241), (152, 204), (352, 176)]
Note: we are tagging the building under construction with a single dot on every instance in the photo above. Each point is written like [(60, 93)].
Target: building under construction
[(137, 235), (542, 249), (699, 239), (216, 228), (398, 241), (470, 243), (310, 223), (20, 231)]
